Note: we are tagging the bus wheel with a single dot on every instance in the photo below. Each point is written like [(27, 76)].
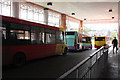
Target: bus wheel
[(82, 48), (65, 51), (91, 47), (19, 60)]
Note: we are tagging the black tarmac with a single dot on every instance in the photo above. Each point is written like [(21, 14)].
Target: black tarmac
[(50, 67)]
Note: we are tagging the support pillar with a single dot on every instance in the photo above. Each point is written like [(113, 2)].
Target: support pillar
[(46, 16), (119, 22), (81, 27), (16, 9), (119, 34), (63, 21)]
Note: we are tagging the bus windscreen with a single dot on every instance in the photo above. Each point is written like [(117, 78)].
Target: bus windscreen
[(88, 38), (99, 38)]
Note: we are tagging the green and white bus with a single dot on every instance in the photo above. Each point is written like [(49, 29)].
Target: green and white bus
[(77, 41)]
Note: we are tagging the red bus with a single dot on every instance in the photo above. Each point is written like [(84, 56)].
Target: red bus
[(23, 40)]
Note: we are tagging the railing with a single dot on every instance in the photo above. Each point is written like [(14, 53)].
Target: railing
[(90, 67)]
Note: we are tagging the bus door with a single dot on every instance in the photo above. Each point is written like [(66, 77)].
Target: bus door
[(50, 43), (59, 41), (37, 42)]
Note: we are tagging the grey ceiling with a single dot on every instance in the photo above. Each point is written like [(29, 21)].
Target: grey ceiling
[(91, 10)]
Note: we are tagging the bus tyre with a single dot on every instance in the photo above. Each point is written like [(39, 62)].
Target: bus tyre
[(19, 60), (82, 47), (65, 51), (91, 47)]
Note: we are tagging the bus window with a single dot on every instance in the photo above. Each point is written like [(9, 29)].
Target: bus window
[(42, 35), (80, 37), (3, 32), (88, 39), (84, 39), (37, 35), (40, 38), (99, 38), (27, 35), (33, 38), (13, 36), (49, 36), (20, 34), (59, 37)]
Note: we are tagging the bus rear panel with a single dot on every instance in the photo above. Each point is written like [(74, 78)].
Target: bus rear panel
[(100, 41), (70, 40), (77, 41)]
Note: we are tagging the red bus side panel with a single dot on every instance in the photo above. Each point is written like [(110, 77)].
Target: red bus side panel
[(30, 51)]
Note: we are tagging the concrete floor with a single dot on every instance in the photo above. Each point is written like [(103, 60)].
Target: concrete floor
[(112, 69)]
